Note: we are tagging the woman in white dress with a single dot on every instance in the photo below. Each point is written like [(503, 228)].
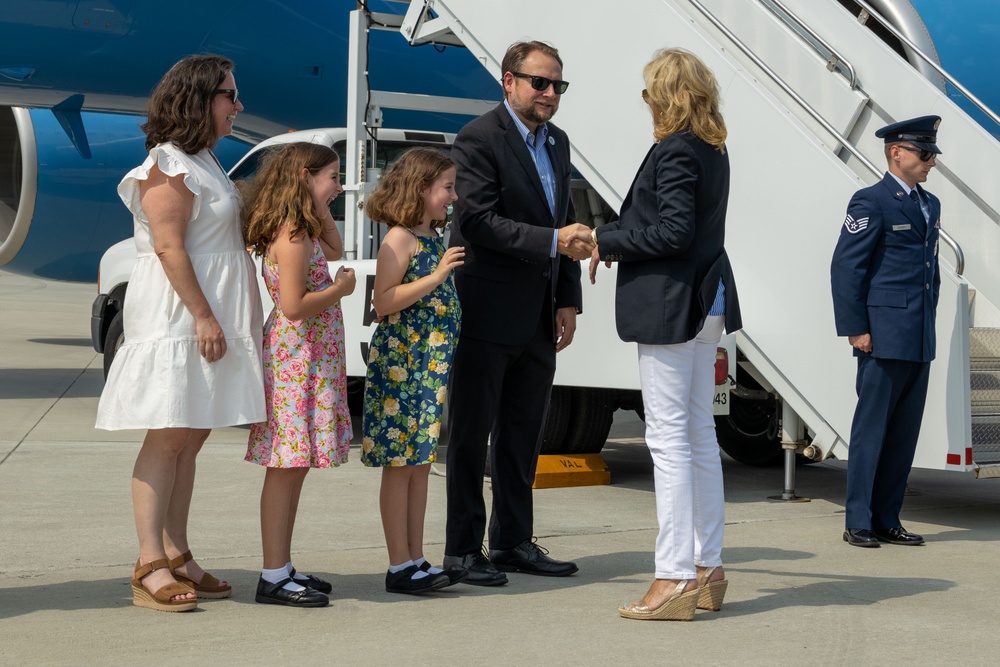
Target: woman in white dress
[(193, 323)]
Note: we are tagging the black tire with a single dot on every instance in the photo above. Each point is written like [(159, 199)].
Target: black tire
[(749, 433), (556, 421), (355, 396), (113, 340), (593, 411)]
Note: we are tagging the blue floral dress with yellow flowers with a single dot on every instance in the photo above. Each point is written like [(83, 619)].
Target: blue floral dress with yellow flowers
[(408, 364)]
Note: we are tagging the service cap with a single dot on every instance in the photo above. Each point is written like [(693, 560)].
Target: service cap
[(921, 132)]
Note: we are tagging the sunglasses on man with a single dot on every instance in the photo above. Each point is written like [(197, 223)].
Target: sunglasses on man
[(924, 155), (541, 84), (231, 92)]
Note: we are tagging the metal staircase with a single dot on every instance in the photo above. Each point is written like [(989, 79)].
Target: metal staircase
[(984, 365), (804, 86)]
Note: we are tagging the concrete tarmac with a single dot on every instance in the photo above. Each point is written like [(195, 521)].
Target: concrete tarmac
[(797, 595)]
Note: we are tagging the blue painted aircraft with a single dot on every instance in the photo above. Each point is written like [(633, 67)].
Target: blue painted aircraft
[(75, 76)]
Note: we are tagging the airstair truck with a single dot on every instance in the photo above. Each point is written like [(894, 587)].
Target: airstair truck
[(804, 84)]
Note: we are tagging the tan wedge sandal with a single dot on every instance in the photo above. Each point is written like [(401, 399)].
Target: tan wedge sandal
[(209, 587), (680, 606), (161, 599), (711, 593)]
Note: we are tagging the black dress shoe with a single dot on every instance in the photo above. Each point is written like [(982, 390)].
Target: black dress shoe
[(403, 582), (477, 568), (898, 535), (454, 576), (860, 537), (312, 582), (530, 558), (268, 593)]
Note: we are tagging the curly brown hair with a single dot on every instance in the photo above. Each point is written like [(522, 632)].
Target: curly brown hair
[(180, 108), (398, 198), (279, 197)]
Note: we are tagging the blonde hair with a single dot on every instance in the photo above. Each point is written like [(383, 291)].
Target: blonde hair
[(398, 198), (684, 96), (279, 197)]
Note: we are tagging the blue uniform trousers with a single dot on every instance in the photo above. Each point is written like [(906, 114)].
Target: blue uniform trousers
[(891, 396)]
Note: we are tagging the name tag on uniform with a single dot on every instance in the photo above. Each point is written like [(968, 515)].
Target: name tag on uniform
[(900, 228)]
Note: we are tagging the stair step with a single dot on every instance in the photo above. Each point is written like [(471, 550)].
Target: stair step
[(986, 439)]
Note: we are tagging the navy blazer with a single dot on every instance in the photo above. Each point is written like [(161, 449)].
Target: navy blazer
[(502, 218), (885, 274), (669, 244)]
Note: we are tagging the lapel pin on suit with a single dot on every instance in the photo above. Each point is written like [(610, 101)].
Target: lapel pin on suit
[(552, 140)]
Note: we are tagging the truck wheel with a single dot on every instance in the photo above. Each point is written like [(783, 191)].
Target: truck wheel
[(113, 341), (355, 396), (556, 421), (749, 433), (592, 414)]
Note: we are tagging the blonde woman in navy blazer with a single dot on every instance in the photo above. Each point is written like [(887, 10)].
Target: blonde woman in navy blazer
[(675, 295)]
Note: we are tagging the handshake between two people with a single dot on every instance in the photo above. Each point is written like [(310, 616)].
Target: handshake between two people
[(577, 241)]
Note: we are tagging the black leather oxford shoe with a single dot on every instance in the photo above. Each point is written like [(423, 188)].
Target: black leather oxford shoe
[(479, 570), (861, 537), (898, 535), (454, 576), (530, 558)]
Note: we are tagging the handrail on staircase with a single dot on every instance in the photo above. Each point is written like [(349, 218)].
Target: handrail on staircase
[(926, 58), (835, 56), (848, 146)]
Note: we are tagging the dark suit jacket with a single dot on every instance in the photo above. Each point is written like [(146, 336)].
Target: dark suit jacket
[(885, 274), (503, 220), (669, 242)]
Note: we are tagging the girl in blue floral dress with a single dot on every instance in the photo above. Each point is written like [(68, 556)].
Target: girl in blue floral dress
[(410, 355)]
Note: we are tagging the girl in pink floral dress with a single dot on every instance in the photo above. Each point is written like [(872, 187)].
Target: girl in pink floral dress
[(288, 223)]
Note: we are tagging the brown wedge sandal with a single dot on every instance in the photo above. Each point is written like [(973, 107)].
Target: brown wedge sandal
[(209, 588), (711, 593), (160, 600)]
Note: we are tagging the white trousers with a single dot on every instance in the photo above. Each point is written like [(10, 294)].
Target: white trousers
[(678, 387)]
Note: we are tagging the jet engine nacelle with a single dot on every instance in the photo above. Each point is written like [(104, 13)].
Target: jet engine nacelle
[(59, 206)]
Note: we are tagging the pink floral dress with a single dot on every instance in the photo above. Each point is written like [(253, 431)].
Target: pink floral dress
[(305, 382)]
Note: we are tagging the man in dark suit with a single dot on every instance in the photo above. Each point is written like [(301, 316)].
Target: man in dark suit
[(520, 293), (885, 293)]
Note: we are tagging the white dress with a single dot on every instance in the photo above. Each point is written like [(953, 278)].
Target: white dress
[(158, 378)]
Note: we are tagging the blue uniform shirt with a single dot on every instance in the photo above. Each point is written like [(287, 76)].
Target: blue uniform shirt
[(884, 272)]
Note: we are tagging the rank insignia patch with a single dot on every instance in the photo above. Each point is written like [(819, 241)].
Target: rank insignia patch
[(854, 226)]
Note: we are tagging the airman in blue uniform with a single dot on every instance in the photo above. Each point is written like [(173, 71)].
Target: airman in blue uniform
[(885, 292)]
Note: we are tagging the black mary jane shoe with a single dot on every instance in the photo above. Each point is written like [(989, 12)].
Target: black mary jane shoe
[(403, 582), (312, 582), (454, 576), (268, 593)]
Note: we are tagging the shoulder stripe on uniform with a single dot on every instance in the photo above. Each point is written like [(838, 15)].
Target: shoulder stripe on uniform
[(854, 226)]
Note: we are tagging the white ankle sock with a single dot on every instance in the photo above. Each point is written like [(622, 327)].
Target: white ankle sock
[(279, 574), (431, 570), (399, 568), (298, 576)]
